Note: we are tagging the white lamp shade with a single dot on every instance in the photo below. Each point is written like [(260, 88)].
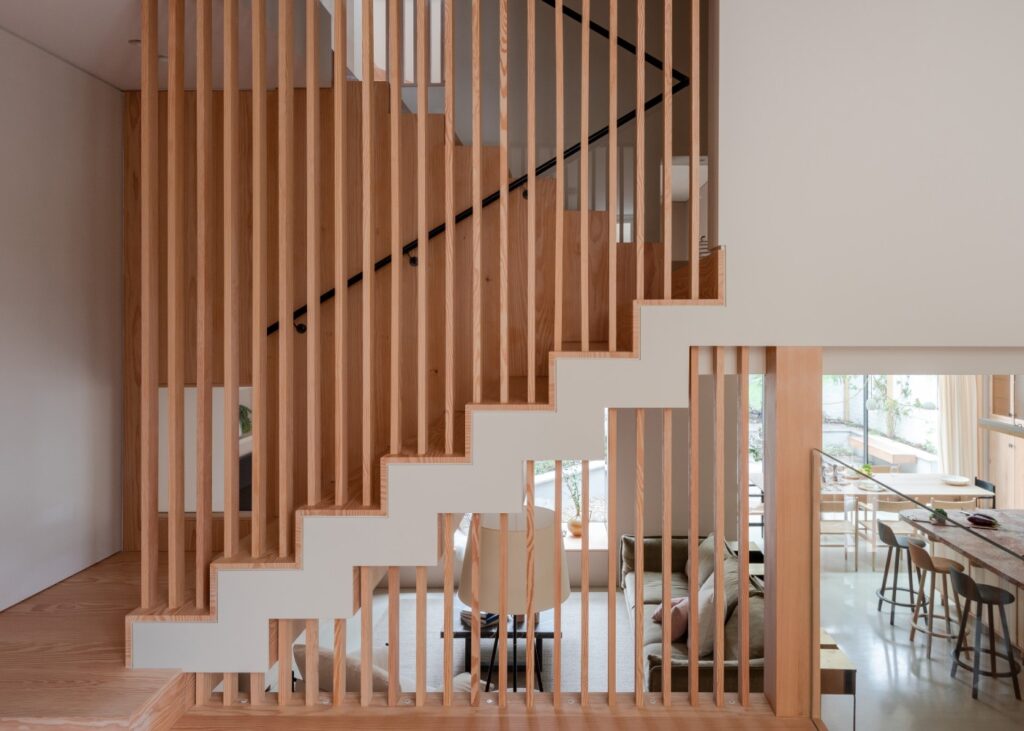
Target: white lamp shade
[(544, 561)]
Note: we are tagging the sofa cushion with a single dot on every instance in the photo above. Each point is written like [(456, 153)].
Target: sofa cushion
[(706, 617), (352, 669), (652, 555), (732, 630), (705, 561), (652, 588)]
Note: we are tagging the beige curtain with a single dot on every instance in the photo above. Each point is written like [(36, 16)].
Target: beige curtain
[(958, 425)]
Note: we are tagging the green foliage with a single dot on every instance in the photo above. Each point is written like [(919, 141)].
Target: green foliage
[(572, 480), (245, 419)]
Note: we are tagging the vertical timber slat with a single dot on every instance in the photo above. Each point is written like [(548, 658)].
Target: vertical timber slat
[(150, 305), (449, 604), (503, 202), (260, 282), (560, 189), (639, 225), (503, 613), (613, 462), (585, 578), (585, 190), (338, 685), (695, 151), (176, 303), (666, 183), (448, 39), (366, 87), (613, 202), (556, 641), (531, 224), (285, 274), (393, 618), (638, 636), (666, 548), (477, 184), (743, 440), (421, 635), (395, 126), (314, 419), (339, 21), (284, 665), (718, 671), (531, 561), (311, 673), (421, 236), (474, 581), (694, 529), (204, 305), (366, 635)]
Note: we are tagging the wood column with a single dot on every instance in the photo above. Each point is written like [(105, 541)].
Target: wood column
[(792, 428)]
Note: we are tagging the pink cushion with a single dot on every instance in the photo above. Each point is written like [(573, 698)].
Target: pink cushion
[(679, 617)]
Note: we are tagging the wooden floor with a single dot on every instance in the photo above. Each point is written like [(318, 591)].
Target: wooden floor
[(515, 717), (62, 659)]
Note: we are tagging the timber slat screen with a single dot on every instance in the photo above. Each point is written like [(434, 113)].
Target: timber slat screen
[(301, 203)]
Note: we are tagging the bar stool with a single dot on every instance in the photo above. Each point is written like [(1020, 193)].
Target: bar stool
[(931, 568), (983, 595), (897, 544)]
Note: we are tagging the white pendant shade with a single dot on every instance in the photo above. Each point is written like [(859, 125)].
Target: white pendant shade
[(544, 595)]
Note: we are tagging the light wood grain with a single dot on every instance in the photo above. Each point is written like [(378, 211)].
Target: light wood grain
[(421, 635), (366, 635), (559, 175), (204, 292), (792, 428), (638, 624), (531, 561), (232, 292), (338, 688), (62, 657), (477, 224), (584, 574), (394, 609), (531, 223), (556, 642), (503, 612), (743, 440), (639, 157), (285, 274), (311, 673), (613, 564), (260, 284), (176, 303), (693, 631), (474, 606), (694, 204), (366, 160), (229, 689), (613, 195), (257, 689), (666, 548), (503, 354), (449, 604), (204, 688), (718, 670), (314, 418), (585, 180), (284, 665), (666, 183), (448, 39), (421, 231), (395, 203), (342, 194)]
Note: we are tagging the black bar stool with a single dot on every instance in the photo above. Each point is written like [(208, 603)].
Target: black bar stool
[(983, 595), (898, 545)]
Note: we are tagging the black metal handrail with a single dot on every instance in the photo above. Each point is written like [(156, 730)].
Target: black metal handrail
[(681, 82)]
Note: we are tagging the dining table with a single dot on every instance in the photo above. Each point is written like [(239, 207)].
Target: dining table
[(920, 486), (999, 549)]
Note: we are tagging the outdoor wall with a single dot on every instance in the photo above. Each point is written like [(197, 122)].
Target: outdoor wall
[(60, 320), (871, 181)]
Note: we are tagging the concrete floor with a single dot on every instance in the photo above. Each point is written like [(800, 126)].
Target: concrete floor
[(898, 686)]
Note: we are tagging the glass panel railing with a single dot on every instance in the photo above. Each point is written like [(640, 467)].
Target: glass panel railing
[(935, 505)]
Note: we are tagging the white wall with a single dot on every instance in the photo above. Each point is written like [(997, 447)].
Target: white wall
[(871, 181), (60, 320)]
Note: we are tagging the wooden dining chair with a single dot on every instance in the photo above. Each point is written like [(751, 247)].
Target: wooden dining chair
[(948, 505), (989, 486), (829, 508)]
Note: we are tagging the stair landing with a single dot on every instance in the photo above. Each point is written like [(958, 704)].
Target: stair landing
[(62, 658)]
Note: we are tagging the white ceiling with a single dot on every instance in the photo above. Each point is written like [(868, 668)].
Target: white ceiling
[(94, 36)]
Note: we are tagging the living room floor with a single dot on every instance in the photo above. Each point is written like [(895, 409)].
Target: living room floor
[(898, 685)]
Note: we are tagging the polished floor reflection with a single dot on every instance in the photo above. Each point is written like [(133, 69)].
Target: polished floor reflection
[(898, 685)]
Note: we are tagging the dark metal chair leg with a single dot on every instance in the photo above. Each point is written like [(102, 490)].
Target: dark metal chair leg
[(964, 619), (895, 581), (536, 666), (1014, 667), (885, 577), (490, 665), (977, 654)]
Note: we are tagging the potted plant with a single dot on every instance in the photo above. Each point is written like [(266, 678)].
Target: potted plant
[(866, 469), (938, 516), (573, 483)]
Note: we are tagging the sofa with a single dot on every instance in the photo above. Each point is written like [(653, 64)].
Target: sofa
[(650, 598)]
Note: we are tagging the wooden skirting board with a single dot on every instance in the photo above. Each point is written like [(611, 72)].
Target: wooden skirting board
[(514, 717), (62, 658)]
